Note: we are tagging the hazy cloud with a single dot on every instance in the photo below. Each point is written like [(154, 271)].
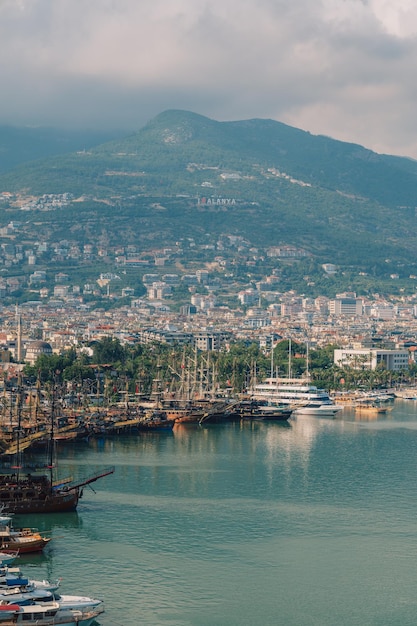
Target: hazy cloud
[(344, 68)]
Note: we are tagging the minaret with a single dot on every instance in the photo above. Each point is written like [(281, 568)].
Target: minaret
[(19, 335)]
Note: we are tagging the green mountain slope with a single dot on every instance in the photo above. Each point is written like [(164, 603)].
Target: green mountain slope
[(184, 174)]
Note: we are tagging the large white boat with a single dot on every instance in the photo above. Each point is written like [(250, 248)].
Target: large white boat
[(49, 614), (303, 397)]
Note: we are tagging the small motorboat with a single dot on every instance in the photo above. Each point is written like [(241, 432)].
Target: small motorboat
[(7, 558), (12, 577)]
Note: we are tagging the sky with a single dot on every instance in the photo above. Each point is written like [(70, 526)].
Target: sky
[(342, 68)]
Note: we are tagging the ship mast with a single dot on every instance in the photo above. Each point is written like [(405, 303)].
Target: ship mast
[(19, 400), (51, 451), (307, 361)]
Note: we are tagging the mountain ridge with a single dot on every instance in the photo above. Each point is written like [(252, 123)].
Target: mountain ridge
[(340, 201)]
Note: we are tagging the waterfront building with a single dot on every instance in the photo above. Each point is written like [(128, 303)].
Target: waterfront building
[(363, 358)]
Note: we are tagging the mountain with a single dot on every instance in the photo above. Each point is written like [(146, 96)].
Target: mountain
[(185, 175)]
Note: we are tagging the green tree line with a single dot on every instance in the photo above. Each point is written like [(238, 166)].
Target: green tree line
[(109, 364)]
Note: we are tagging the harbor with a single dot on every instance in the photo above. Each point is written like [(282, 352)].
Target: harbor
[(32, 420), (200, 524)]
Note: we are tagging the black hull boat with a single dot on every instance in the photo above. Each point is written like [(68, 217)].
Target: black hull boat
[(259, 410), (156, 421), (35, 489), (27, 493), (273, 415)]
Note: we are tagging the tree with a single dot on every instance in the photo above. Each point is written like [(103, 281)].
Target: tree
[(108, 350)]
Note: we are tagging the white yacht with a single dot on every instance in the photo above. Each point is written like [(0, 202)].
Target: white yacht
[(48, 614), (22, 596), (303, 397)]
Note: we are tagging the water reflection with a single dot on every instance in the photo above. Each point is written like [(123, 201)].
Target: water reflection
[(50, 522), (201, 526)]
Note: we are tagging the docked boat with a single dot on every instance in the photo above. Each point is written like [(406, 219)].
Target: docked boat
[(370, 408), (7, 558), (318, 410), (25, 601), (407, 393), (37, 489), (300, 395), (21, 540), (187, 417), (219, 410), (24, 596), (17, 589), (156, 421), (12, 577), (45, 614), (260, 410)]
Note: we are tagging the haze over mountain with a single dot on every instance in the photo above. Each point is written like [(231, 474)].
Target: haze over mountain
[(187, 175), (342, 69), (21, 144)]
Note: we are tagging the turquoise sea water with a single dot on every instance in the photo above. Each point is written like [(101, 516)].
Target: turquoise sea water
[(308, 523)]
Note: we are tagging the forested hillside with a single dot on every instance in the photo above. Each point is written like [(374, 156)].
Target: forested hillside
[(185, 174)]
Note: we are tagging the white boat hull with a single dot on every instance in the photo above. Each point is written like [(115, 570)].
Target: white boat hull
[(319, 411), (299, 395)]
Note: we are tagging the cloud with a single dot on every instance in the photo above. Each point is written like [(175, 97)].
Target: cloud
[(338, 67)]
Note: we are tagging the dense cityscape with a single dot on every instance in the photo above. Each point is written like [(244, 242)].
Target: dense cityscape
[(207, 297)]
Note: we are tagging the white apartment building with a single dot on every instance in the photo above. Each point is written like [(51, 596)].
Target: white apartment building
[(248, 297), (159, 291), (383, 312), (346, 306), (394, 360)]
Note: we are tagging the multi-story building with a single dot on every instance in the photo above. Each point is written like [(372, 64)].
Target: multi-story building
[(364, 358), (210, 339), (346, 305)]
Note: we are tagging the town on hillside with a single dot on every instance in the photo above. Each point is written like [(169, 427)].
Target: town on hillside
[(58, 295)]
